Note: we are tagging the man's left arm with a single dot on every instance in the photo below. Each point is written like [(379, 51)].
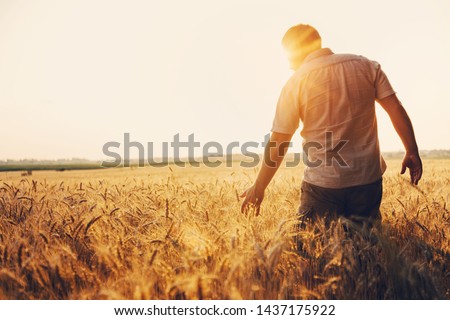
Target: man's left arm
[(274, 153)]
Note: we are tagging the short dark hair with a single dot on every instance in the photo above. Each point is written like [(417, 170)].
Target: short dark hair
[(302, 35)]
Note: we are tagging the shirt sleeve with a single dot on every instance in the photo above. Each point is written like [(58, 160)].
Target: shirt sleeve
[(287, 114), (382, 85)]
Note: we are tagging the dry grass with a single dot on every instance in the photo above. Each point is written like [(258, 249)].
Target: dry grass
[(178, 234)]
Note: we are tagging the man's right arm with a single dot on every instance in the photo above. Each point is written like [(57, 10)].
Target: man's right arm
[(404, 128)]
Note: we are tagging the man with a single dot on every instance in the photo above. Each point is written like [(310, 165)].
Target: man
[(334, 96)]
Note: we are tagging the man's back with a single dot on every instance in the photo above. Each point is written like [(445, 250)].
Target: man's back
[(336, 93)]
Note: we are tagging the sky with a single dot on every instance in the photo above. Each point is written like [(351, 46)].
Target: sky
[(75, 75)]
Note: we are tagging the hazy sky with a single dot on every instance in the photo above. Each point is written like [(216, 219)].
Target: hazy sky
[(76, 74)]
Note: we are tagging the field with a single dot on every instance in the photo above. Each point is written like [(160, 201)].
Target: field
[(177, 233)]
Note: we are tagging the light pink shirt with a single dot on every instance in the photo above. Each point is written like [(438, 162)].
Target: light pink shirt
[(336, 93)]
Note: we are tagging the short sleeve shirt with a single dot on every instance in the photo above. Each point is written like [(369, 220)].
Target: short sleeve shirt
[(334, 95)]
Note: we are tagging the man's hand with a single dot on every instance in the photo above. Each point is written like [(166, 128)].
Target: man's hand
[(273, 156), (253, 198), (404, 128), (413, 162)]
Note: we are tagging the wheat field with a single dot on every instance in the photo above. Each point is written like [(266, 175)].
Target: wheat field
[(177, 233)]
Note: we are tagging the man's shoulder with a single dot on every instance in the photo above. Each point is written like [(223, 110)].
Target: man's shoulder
[(333, 61), (342, 57), (328, 61)]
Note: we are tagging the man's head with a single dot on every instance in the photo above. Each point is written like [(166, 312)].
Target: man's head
[(299, 41)]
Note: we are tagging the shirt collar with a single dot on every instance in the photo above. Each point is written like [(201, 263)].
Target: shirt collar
[(317, 54)]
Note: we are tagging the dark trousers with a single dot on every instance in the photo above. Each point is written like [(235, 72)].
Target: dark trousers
[(358, 203)]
